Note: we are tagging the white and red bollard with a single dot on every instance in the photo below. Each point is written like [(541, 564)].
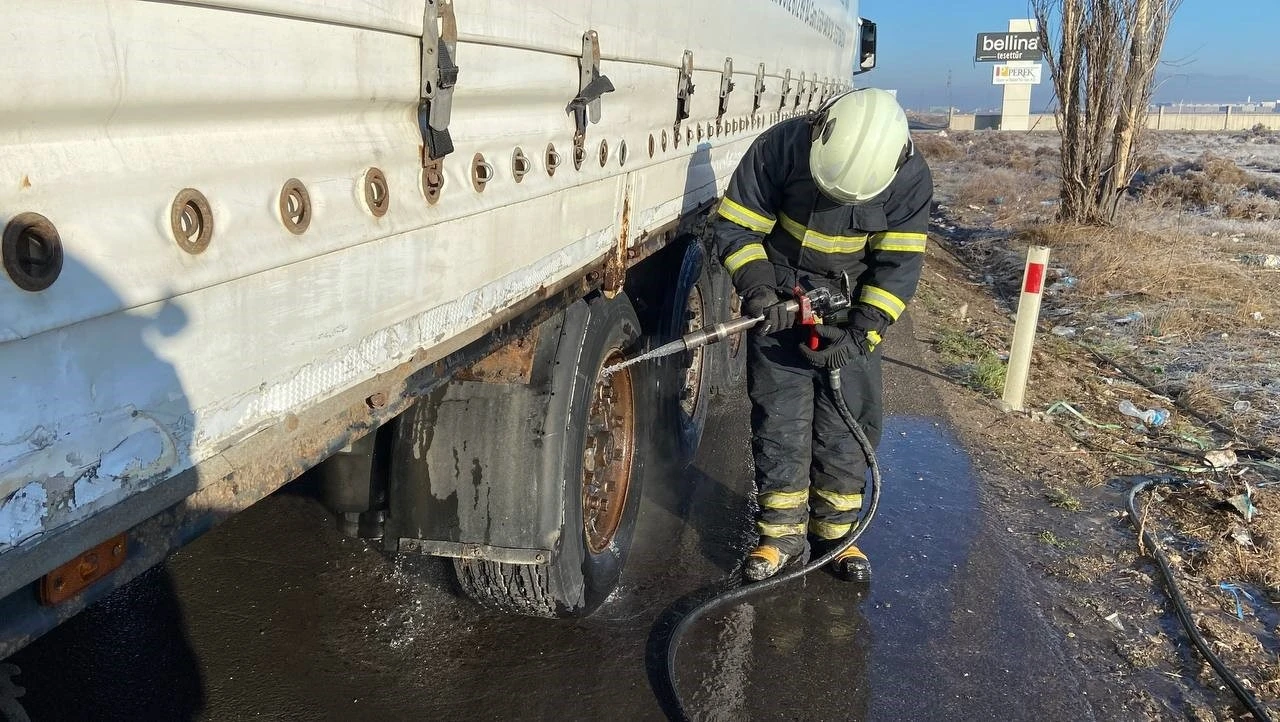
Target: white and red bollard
[(1024, 330)]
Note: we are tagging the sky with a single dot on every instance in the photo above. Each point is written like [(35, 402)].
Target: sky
[(1216, 52)]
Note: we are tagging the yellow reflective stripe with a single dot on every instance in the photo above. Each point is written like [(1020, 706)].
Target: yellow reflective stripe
[(873, 337), (743, 256), (899, 241), (822, 242), (840, 502), (784, 499), (780, 530), (834, 244), (852, 552), (883, 300), (796, 230), (771, 555), (744, 216), (827, 530)]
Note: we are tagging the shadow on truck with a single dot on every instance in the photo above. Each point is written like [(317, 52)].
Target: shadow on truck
[(104, 642)]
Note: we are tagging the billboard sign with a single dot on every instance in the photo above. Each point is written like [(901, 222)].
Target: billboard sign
[(1015, 74), (1000, 47)]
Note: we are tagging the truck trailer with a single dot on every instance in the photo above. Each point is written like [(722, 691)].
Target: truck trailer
[(389, 243)]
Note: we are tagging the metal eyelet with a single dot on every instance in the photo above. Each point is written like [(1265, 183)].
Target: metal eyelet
[(377, 195), (295, 207), (191, 221), (32, 252)]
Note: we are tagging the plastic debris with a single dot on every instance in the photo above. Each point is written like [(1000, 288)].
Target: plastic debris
[(1241, 407), (1242, 536), (1064, 406), (1263, 260), (1236, 591), (1128, 318), (1114, 618), (1221, 458), (1150, 417), (1243, 504), (1257, 316), (1059, 287), (1064, 331)]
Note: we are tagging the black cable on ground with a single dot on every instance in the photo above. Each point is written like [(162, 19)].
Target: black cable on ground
[(733, 590), (1246, 697)]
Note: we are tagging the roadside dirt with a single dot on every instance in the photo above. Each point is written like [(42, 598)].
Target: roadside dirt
[(1171, 309)]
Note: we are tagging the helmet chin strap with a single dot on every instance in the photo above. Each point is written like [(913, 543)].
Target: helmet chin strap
[(908, 150)]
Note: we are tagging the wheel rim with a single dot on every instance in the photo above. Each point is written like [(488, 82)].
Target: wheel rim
[(607, 456), (695, 318)]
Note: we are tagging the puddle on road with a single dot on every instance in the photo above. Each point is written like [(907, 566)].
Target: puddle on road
[(843, 651), (344, 632)]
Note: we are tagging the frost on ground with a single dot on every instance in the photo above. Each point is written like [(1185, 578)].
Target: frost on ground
[(1174, 307)]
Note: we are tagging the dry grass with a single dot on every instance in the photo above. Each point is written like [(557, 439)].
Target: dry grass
[(1180, 282), (935, 147), (1252, 207), (1258, 564), (1212, 184), (993, 187)]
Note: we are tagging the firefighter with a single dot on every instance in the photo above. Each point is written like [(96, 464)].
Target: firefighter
[(837, 194)]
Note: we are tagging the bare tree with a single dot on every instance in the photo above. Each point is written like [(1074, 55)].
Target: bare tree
[(1102, 55)]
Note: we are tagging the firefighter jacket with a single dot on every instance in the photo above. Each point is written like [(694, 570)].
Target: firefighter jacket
[(775, 228)]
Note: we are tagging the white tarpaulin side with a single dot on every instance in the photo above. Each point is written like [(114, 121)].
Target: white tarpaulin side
[(143, 359)]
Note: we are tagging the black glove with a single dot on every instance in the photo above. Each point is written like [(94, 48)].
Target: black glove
[(836, 347), (867, 325), (764, 301)]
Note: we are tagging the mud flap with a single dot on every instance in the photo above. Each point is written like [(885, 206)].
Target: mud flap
[(468, 471)]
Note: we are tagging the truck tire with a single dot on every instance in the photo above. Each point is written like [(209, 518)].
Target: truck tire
[(691, 305), (733, 351), (599, 427)]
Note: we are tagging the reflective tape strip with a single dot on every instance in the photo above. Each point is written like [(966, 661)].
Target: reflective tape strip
[(743, 256), (822, 242), (899, 241), (784, 499), (883, 300), (796, 230), (744, 216), (780, 530), (873, 340), (827, 530), (771, 555), (840, 502), (852, 552)]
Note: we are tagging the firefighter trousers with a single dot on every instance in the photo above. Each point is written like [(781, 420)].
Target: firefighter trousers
[(810, 470)]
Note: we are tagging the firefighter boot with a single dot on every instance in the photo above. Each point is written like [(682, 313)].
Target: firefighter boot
[(852, 565), (767, 560)]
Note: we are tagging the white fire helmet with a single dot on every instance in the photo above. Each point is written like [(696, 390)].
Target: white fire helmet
[(860, 140)]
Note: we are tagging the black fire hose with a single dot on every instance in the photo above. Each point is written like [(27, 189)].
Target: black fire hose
[(738, 592), (1180, 606)]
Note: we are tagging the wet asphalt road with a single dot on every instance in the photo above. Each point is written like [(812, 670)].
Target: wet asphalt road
[(276, 616)]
